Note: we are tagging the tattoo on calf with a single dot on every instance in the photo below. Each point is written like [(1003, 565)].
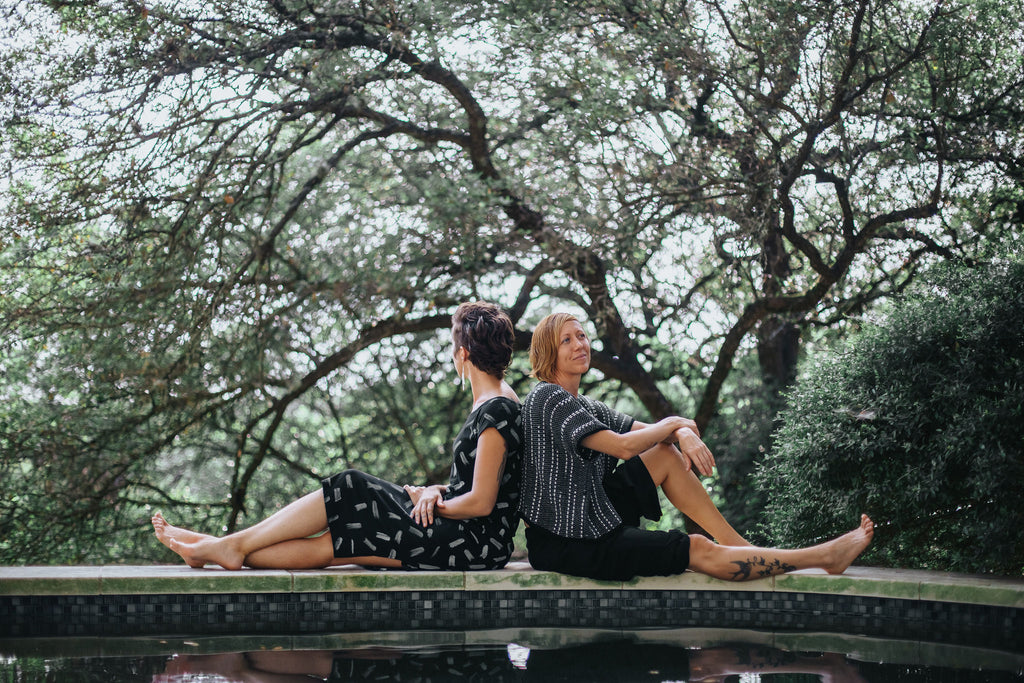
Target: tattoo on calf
[(759, 567)]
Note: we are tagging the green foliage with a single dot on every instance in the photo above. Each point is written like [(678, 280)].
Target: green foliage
[(919, 423), (231, 234)]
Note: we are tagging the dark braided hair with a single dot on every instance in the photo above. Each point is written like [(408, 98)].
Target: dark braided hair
[(486, 332)]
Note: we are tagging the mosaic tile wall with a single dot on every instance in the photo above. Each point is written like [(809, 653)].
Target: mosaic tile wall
[(299, 613)]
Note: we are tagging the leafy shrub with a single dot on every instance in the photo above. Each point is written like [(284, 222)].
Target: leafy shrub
[(919, 422)]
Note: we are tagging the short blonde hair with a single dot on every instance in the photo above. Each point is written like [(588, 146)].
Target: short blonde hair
[(544, 345)]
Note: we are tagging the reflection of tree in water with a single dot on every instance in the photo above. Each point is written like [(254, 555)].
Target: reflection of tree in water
[(618, 661), (597, 662), (608, 661)]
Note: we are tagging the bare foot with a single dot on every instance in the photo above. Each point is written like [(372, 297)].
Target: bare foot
[(209, 551), (166, 531), (847, 547)]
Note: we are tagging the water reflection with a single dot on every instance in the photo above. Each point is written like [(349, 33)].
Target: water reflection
[(526, 654), (606, 661)]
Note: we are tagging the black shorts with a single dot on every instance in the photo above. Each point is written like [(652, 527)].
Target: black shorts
[(633, 492), (625, 552)]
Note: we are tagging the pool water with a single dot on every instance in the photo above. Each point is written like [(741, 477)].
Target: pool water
[(537, 655)]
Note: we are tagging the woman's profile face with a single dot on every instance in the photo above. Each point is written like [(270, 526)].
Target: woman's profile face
[(573, 349)]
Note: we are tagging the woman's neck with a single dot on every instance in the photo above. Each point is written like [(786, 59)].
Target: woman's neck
[(485, 386), (570, 383)]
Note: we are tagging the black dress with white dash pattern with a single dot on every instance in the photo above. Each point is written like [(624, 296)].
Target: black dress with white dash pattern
[(368, 516)]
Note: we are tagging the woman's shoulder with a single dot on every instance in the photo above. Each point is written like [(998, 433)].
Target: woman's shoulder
[(590, 403), (500, 402), (543, 391), (501, 413), (546, 395), (497, 407)]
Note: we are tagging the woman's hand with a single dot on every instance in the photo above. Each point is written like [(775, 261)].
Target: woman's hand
[(425, 499), (695, 451), (691, 425)]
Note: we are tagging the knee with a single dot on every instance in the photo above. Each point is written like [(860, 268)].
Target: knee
[(670, 457), (663, 451), (702, 547), (323, 549), (660, 460)]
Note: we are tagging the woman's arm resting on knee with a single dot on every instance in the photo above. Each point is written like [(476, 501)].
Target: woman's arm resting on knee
[(645, 436), (625, 446), (688, 441), (687, 422)]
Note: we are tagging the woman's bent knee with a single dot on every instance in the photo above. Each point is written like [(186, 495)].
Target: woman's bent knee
[(701, 544), (658, 460), (702, 550)]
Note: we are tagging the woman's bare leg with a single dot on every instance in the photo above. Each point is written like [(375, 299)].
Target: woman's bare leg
[(297, 553), (308, 553), (745, 563), (368, 561), (298, 520), (687, 494)]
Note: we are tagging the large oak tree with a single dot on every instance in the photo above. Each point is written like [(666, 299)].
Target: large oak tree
[(233, 232)]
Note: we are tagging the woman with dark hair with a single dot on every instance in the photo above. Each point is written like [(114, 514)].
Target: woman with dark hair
[(590, 473), (356, 518)]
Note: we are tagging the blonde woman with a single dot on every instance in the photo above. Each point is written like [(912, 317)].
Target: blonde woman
[(590, 473)]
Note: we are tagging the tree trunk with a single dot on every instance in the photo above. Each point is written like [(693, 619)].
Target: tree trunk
[(778, 338), (778, 348)]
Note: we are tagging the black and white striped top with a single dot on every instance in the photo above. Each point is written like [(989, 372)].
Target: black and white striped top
[(562, 489)]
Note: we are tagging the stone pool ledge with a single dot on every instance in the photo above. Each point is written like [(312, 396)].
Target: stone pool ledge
[(517, 576), (174, 599)]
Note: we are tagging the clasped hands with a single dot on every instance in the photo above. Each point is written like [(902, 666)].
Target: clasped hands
[(425, 500)]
